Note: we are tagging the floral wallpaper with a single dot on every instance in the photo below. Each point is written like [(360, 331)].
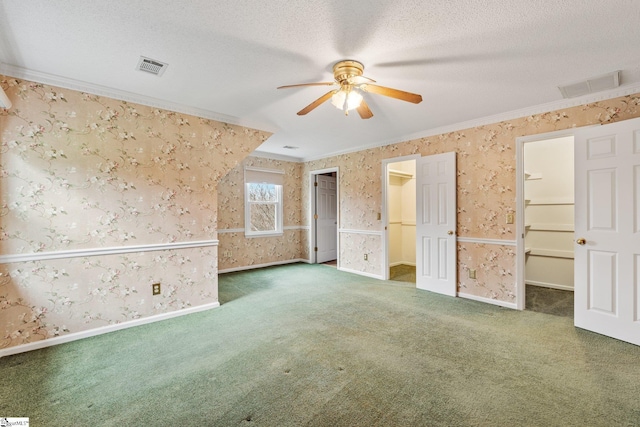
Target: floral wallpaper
[(79, 172), (486, 190), (495, 270), (238, 251), (44, 299)]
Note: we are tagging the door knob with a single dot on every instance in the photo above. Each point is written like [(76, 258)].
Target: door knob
[(450, 232), (581, 241)]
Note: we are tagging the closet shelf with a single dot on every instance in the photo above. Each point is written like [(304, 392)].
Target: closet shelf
[(551, 253), (400, 174), (549, 202), (550, 227), (531, 176)]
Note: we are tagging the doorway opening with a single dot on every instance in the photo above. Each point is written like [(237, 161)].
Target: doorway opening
[(546, 224), (324, 217), (400, 219)]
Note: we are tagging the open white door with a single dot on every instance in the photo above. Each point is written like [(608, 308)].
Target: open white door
[(436, 267), (607, 221), (327, 218)]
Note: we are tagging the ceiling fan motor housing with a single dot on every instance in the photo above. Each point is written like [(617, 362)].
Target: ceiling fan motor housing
[(344, 70)]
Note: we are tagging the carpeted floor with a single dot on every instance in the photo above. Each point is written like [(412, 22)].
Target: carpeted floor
[(307, 345), (549, 301), (403, 273)]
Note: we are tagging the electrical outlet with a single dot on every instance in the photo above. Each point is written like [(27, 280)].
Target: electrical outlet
[(228, 254), (366, 257), (472, 274), (510, 218), (155, 289)]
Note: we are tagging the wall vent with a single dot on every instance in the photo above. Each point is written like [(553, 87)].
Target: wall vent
[(151, 66), (592, 85)]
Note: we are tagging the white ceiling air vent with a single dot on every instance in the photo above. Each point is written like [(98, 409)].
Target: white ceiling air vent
[(595, 84), (151, 66), (5, 102)]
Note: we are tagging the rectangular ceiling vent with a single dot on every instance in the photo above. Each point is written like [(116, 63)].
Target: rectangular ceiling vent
[(151, 66), (595, 84)]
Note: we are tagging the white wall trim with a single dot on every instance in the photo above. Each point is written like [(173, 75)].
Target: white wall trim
[(104, 330), (361, 273), (67, 83), (267, 170), (488, 300), (81, 253), (268, 264), (489, 120), (549, 285), (486, 241), (23, 73), (274, 156), (241, 230), (368, 232)]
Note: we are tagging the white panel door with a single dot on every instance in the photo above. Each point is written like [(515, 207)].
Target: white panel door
[(607, 221), (436, 266), (327, 218)]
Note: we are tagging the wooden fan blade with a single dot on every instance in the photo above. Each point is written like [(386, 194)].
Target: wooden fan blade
[(316, 103), (393, 93), (364, 111), (356, 80), (308, 84)]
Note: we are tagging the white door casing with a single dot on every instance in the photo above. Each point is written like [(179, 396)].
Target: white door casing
[(607, 230), (436, 211), (327, 218)]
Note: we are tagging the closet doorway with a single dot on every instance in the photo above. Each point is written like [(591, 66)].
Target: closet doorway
[(400, 218), (548, 229), (324, 213)]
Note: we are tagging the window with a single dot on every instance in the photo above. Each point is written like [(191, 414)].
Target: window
[(263, 202)]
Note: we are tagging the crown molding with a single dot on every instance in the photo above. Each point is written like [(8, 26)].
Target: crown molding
[(121, 95), (67, 83), (496, 118), (274, 156)]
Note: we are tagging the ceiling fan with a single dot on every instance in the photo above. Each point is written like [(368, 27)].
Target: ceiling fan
[(350, 81)]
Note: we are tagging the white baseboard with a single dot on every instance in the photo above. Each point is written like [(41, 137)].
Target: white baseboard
[(488, 300), (549, 285), (361, 273), (268, 264), (22, 348)]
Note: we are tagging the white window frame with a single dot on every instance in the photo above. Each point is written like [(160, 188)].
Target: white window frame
[(254, 175)]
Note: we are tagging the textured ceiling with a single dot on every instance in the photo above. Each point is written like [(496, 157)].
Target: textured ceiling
[(468, 59)]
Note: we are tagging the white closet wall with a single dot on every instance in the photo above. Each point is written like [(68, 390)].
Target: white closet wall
[(549, 191)]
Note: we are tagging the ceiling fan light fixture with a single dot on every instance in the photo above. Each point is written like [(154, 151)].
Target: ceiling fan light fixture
[(346, 100)]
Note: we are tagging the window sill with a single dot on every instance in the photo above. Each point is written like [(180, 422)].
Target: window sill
[(271, 234)]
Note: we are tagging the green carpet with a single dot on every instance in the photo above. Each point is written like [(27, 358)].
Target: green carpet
[(403, 273), (307, 345)]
